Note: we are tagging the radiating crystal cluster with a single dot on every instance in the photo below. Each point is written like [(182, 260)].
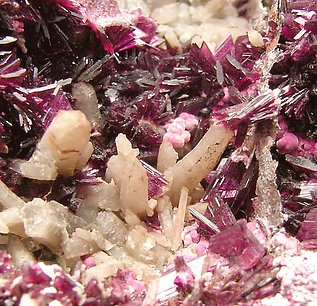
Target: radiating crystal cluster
[(184, 174)]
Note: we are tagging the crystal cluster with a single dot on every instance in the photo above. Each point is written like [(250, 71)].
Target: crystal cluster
[(181, 173)]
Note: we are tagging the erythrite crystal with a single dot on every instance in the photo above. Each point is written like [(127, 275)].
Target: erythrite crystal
[(190, 121), (5, 264), (156, 181), (177, 130), (185, 277), (287, 143), (308, 229), (233, 184), (238, 244), (246, 108), (219, 212), (259, 109)]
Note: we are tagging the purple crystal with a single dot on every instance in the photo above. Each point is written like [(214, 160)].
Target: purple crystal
[(6, 267), (234, 184), (261, 108), (185, 277), (308, 229), (92, 289), (157, 182), (238, 244), (219, 212), (34, 275)]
